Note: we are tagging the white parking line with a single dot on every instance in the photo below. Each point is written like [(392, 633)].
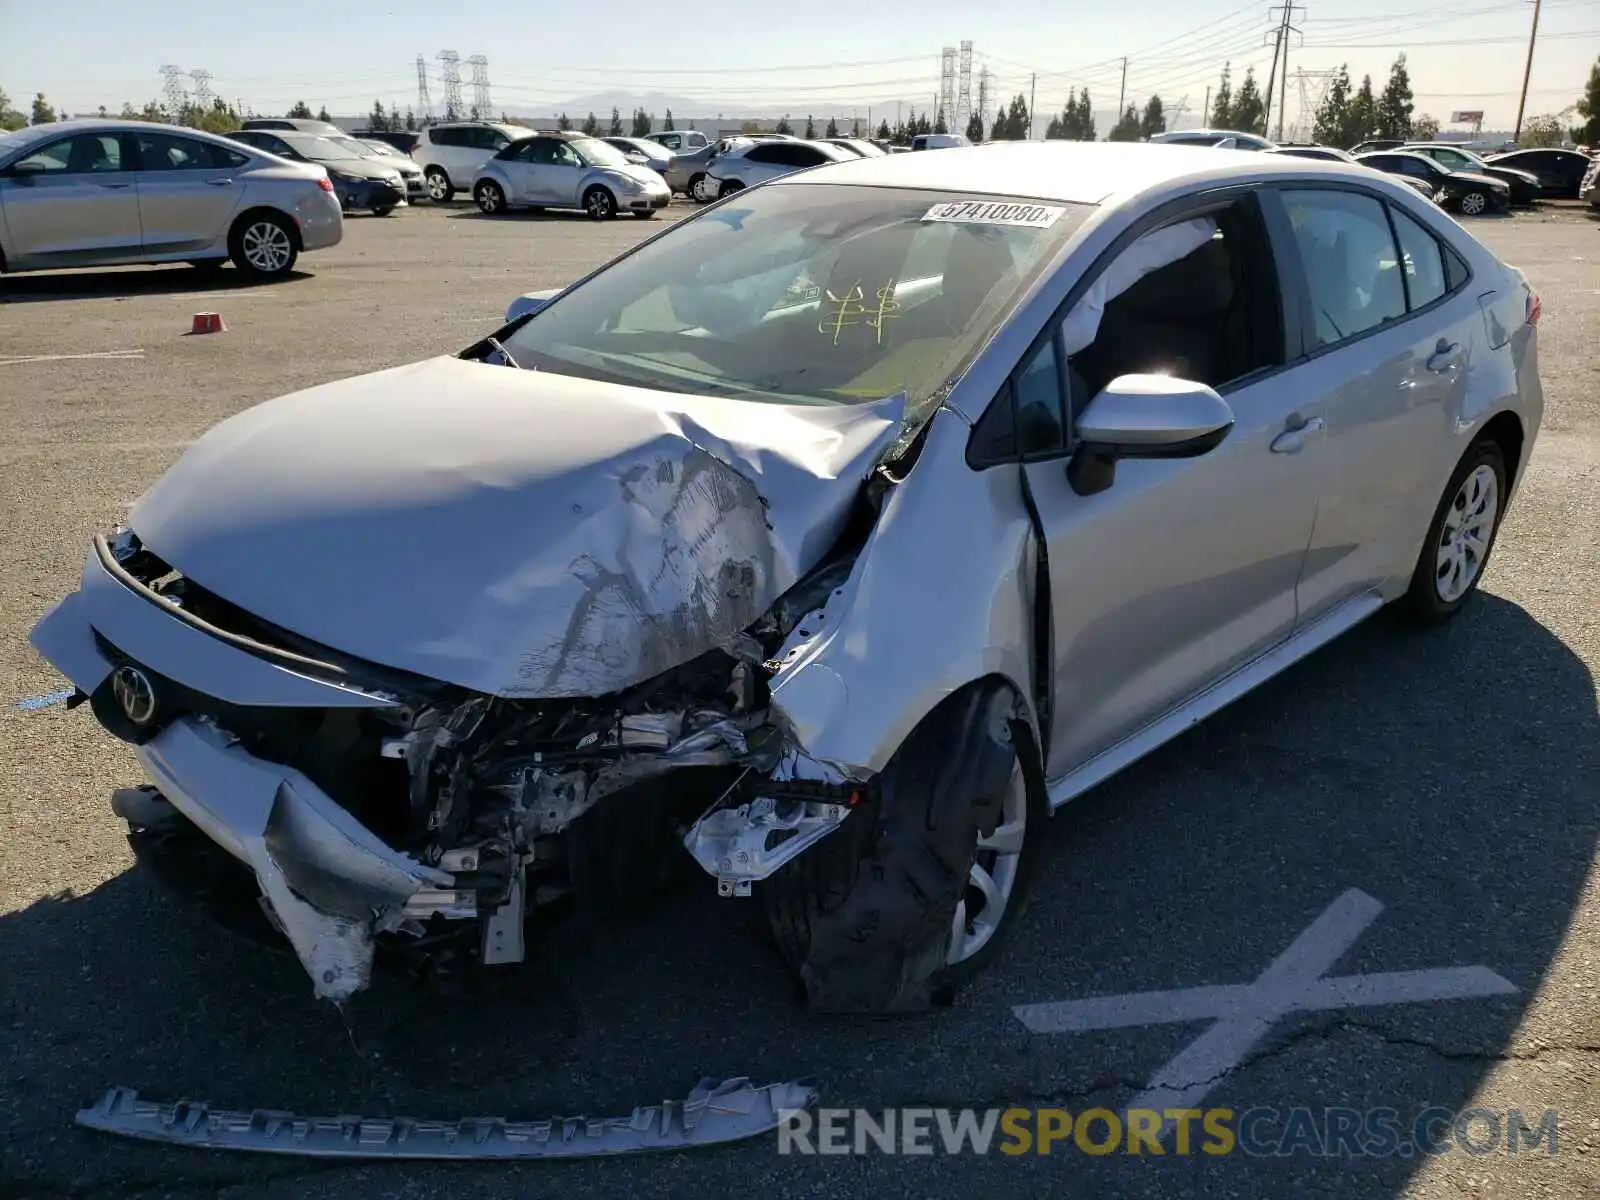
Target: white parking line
[(1244, 1013), (43, 358)]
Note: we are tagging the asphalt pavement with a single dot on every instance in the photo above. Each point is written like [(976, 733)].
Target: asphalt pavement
[(1443, 786)]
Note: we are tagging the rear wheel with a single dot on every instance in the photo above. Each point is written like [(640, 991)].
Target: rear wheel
[(701, 190), (599, 203), (729, 187), (438, 183), (263, 245), (491, 200), (1460, 538), (383, 210)]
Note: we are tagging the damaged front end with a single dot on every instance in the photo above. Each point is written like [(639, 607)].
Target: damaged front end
[(378, 810)]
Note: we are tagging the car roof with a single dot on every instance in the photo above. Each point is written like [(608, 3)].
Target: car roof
[(29, 134), (1071, 172)]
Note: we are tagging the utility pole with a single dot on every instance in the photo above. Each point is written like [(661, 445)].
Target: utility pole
[(1122, 93), (1527, 73), (1033, 92), (1205, 113)]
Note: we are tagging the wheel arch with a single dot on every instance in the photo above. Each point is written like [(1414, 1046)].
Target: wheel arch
[(1506, 430)]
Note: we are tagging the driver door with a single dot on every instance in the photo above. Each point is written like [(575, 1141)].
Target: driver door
[(1183, 570), (74, 200)]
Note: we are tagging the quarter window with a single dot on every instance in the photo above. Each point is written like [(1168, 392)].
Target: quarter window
[(1040, 428), (1423, 259), (1350, 261)]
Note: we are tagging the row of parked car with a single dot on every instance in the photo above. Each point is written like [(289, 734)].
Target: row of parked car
[(1454, 175)]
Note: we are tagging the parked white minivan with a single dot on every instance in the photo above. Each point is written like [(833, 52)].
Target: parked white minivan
[(451, 154), (681, 141), (938, 141)]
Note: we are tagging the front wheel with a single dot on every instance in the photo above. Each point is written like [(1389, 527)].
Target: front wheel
[(701, 189), (645, 214), (600, 204), (383, 210), (438, 185), (491, 200), (263, 246), (1474, 203), (729, 187), (914, 894), (1460, 538)]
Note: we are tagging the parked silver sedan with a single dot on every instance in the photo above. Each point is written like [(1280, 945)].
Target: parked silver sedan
[(833, 537), (98, 193)]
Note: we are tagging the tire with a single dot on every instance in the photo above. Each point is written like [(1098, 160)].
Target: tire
[(263, 245), (868, 917), (1474, 203), (490, 197), (1450, 566), (648, 214), (599, 203), (440, 189), (383, 210), (695, 187), (729, 187)]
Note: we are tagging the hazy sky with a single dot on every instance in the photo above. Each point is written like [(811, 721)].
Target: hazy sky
[(826, 57)]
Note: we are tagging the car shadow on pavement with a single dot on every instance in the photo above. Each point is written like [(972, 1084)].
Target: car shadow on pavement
[(1449, 774), (121, 282)]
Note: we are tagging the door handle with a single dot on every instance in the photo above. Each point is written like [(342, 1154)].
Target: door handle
[(218, 182), (1444, 357), (115, 186), (1291, 440)]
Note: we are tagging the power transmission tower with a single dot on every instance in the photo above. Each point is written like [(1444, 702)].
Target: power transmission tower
[(947, 84), (450, 68), (1313, 87), (480, 86), (963, 114), (1177, 112), (424, 105), (983, 97), (176, 93), (202, 89)]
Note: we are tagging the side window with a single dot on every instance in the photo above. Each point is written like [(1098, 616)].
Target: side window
[(162, 152), (495, 140), (448, 137), (762, 154), (540, 150), (1039, 409), (1351, 265), (82, 155), (278, 146), (806, 156), (564, 155), (1423, 258)]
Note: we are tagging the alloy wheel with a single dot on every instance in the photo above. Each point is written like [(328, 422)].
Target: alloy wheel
[(1474, 203), (1464, 538), (489, 198), (992, 877), (437, 185), (267, 247), (598, 203)]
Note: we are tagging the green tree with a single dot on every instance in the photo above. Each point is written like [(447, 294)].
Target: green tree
[(591, 127), (1154, 120), (974, 128), (1011, 123), (1361, 118), (564, 122), (1127, 127), (832, 130), (378, 121), (783, 125), (939, 124), (1333, 114), (883, 130), (1589, 109), (10, 118), (1249, 113), (300, 112), (666, 125), (615, 128), (811, 128), (1539, 132), (855, 127), (1424, 128), (1221, 115), (322, 114), (43, 114), (1082, 128), (1394, 106), (643, 123)]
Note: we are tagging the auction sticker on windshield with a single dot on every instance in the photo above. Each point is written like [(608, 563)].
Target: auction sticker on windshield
[(991, 212)]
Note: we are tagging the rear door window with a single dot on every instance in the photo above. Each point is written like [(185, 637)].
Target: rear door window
[(1351, 264), (1423, 259)]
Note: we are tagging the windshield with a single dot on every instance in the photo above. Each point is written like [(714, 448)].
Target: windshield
[(357, 148), (320, 149), (822, 294), (596, 153)]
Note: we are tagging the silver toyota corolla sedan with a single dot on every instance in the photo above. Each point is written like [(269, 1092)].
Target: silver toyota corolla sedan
[(102, 193), (831, 538)]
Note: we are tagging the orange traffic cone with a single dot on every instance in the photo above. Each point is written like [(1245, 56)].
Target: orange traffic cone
[(208, 323)]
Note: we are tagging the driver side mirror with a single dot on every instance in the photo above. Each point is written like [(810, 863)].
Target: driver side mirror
[(23, 172), (1144, 416)]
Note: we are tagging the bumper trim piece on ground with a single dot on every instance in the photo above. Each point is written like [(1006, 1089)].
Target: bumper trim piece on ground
[(712, 1113)]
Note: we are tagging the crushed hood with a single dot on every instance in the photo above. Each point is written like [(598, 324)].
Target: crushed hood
[(519, 533)]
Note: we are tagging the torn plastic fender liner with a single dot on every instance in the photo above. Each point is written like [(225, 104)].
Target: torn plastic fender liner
[(712, 1113), (330, 881)]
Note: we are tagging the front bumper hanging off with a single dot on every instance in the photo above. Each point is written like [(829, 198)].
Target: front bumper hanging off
[(711, 1114)]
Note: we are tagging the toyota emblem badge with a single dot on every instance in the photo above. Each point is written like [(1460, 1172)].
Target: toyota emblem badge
[(135, 693)]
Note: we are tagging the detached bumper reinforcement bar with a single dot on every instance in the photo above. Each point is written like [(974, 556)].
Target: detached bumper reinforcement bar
[(711, 1114)]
